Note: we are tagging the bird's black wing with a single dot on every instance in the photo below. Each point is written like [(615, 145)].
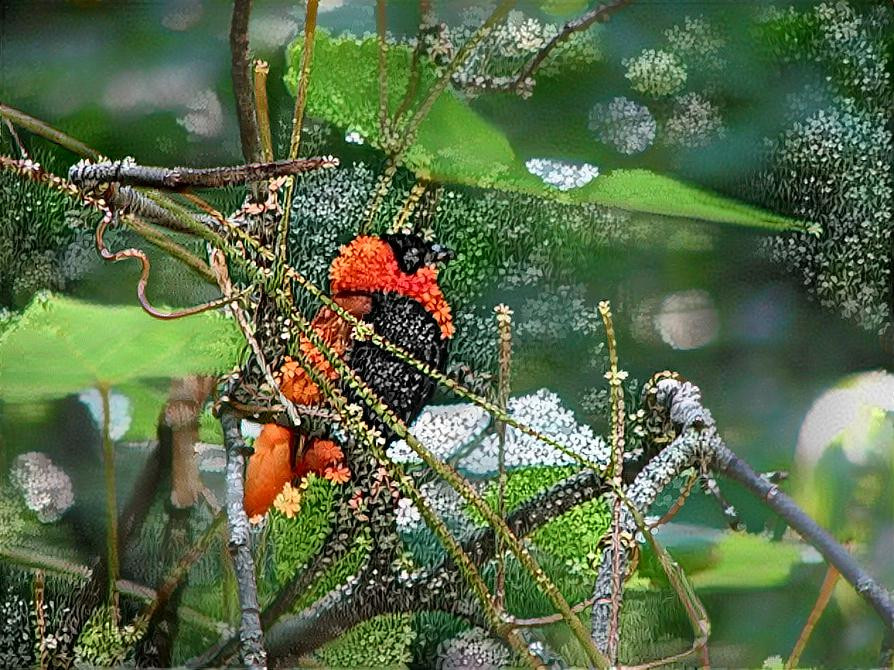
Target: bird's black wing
[(406, 323)]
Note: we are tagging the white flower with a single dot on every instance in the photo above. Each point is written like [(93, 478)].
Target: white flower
[(45, 486), (625, 125), (353, 137), (408, 516), (655, 73), (564, 176)]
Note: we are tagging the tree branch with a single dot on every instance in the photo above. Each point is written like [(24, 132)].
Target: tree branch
[(252, 651), (242, 86)]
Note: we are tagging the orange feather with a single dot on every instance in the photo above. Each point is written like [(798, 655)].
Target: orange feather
[(269, 468)]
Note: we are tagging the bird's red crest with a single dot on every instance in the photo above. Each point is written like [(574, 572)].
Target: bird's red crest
[(368, 264)]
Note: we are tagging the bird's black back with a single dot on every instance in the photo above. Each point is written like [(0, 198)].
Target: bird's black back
[(404, 322)]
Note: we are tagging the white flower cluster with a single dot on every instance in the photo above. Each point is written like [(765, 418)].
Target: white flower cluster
[(697, 43), (119, 411), (696, 122), (544, 412), (563, 176), (45, 486), (472, 648), (655, 73), (443, 429), (627, 126)]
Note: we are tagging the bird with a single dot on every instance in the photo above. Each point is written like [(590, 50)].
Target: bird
[(391, 283)]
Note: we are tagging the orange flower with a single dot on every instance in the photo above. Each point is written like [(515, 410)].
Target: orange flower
[(337, 475), (328, 451)]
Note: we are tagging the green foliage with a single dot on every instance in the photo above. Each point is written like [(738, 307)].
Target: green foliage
[(382, 642), (80, 345), (295, 540), (573, 538), (104, 642), (336, 575), (456, 145), (430, 629), (38, 225)]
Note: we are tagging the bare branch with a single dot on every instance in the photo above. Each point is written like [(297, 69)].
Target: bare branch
[(600, 14), (242, 88), (179, 178), (252, 642)]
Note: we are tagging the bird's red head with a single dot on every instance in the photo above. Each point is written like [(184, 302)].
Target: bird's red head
[(405, 264)]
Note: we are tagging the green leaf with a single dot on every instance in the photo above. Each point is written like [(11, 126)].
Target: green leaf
[(60, 346), (457, 145), (725, 560)]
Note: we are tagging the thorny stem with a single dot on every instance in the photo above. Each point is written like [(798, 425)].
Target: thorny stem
[(416, 193), (40, 616), (252, 640), (825, 594), (261, 70), (617, 463), (307, 54), (242, 88), (504, 326), (381, 28)]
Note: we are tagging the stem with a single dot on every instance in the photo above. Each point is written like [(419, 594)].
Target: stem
[(251, 637), (171, 248), (600, 14), (617, 463), (307, 54), (825, 594), (108, 451), (383, 74), (47, 132), (504, 326)]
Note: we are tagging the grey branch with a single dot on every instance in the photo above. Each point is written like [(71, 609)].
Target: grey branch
[(250, 635), (699, 443), (126, 172)]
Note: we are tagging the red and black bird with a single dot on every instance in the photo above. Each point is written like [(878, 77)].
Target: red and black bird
[(391, 283)]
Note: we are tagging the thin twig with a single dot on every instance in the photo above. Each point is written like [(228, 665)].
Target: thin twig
[(251, 637), (307, 54), (108, 457), (678, 503), (15, 137), (242, 88), (179, 178), (825, 594), (599, 14), (876, 596), (617, 463), (47, 131), (384, 132), (504, 326), (175, 577)]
